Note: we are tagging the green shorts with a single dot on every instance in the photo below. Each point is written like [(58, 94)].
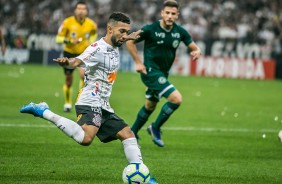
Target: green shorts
[(109, 124), (157, 84)]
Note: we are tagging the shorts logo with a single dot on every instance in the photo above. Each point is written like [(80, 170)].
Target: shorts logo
[(97, 120), (162, 80), (96, 110)]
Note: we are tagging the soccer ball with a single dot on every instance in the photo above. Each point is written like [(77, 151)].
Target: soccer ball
[(136, 173), (280, 135)]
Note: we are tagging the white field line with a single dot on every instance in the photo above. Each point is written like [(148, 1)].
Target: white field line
[(164, 128)]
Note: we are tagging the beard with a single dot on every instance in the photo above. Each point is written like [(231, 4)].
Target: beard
[(116, 43)]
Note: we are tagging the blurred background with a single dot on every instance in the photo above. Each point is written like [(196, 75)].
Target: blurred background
[(244, 32)]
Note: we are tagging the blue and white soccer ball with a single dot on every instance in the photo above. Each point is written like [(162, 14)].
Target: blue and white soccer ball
[(137, 173)]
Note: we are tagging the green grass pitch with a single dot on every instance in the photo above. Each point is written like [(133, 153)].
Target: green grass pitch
[(224, 132)]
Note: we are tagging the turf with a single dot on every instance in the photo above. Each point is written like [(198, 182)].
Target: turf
[(224, 132)]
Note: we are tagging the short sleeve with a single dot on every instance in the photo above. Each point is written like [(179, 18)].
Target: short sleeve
[(90, 56), (186, 37)]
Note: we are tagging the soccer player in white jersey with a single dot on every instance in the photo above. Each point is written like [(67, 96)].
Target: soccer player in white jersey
[(94, 113)]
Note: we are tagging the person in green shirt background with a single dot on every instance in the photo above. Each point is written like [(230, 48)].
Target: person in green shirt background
[(161, 40)]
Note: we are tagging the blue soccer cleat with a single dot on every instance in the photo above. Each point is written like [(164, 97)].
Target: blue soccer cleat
[(156, 136), (35, 109), (152, 181)]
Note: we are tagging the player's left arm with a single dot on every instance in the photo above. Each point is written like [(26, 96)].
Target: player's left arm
[(195, 51), (69, 63)]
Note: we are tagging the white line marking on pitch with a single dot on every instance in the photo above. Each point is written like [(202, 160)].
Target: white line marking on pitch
[(164, 128)]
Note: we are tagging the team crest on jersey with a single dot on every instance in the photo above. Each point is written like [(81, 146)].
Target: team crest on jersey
[(73, 34), (175, 43), (161, 80)]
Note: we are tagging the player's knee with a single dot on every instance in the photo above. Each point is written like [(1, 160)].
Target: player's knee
[(87, 141), (125, 133), (150, 106), (178, 100)]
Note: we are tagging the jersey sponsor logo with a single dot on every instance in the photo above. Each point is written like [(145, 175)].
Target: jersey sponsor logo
[(161, 35), (95, 51), (97, 120), (87, 58), (175, 35), (161, 80), (94, 44), (160, 42), (106, 103), (112, 77), (175, 43), (95, 90)]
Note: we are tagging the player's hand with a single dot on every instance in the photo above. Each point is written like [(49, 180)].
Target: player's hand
[(64, 61), (140, 68), (76, 41), (132, 36), (195, 55)]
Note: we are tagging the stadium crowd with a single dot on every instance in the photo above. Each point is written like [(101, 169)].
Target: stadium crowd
[(209, 19), (250, 21)]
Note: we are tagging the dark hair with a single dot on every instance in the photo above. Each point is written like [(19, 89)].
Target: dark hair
[(171, 3), (80, 2), (119, 17)]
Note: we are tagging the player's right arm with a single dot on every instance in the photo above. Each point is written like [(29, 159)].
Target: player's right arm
[(69, 63), (131, 47)]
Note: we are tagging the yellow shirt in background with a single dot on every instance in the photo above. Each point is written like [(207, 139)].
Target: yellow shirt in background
[(71, 29)]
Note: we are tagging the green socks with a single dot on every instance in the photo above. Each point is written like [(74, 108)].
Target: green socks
[(141, 119), (167, 109)]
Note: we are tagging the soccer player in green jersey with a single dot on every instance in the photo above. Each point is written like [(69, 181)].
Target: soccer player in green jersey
[(162, 39)]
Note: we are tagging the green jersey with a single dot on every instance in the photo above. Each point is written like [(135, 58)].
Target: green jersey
[(160, 45)]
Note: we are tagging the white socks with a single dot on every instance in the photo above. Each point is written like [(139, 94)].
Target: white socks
[(132, 151), (73, 130), (69, 127)]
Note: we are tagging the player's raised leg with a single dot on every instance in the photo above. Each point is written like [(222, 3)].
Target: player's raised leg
[(81, 134)]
